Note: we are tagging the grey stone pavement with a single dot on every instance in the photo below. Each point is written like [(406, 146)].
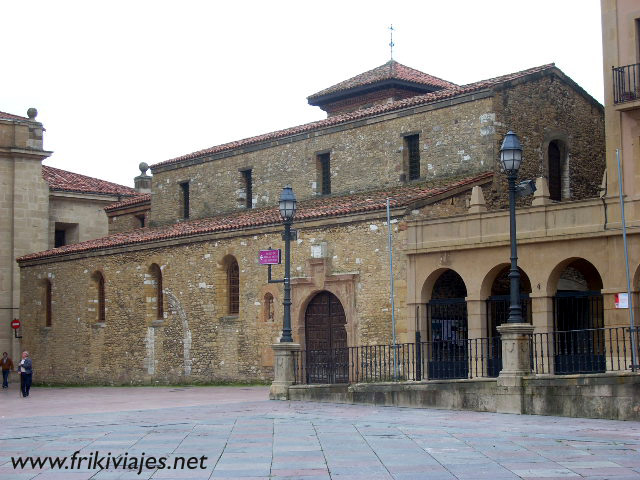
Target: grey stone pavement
[(245, 436)]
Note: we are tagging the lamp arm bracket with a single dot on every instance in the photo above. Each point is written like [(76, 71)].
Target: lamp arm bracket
[(273, 281)]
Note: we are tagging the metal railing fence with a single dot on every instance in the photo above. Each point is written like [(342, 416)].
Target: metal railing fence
[(593, 350), (626, 83), (463, 358)]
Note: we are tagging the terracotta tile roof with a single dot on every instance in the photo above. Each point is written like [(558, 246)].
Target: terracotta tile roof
[(360, 114), (62, 180), (11, 116), (391, 70), (307, 210), (129, 202)]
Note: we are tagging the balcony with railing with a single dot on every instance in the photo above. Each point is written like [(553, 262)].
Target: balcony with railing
[(626, 83)]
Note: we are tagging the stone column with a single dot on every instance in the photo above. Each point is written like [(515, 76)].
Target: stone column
[(284, 373), (515, 365)]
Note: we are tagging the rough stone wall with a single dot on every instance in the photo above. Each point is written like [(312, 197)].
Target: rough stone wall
[(455, 139), (197, 340), (540, 111), (127, 221)]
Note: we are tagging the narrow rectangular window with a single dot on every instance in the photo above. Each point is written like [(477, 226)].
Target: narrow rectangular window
[(324, 165), (412, 146), (185, 199), (246, 175), (101, 302), (638, 40), (48, 301), (60, 238)]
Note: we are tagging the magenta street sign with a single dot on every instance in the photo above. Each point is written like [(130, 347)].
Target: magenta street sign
[(270, 257)]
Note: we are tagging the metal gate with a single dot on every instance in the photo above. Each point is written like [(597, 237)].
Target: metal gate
[(497, 314), (326, 340), (447, 321), (579, 335)]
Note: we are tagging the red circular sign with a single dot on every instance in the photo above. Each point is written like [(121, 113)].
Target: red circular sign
[(15, 323)]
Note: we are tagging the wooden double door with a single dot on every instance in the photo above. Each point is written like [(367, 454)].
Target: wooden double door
[(327, 353)]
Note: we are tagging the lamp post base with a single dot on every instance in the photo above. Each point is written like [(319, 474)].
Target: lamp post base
[(284, 374), (516, 363)]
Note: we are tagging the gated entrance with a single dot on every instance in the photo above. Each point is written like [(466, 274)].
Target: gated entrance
[(447, 324), (498, 312), (579, 344), (327, 355)]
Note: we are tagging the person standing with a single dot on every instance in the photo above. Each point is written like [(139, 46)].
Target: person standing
[(7, 366), (26, 371)]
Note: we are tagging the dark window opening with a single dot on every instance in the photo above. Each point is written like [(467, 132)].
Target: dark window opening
[(141, 219), (412, 143), (159, 297), (101, 298), (555, 171), (233, 284), (246, 174), (638, 40), (185, 199), (60, 238), (48, 302), (325, 173)]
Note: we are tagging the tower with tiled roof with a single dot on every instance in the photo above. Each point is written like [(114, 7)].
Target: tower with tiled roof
[(381, 85)]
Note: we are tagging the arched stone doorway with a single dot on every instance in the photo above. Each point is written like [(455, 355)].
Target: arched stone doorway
[(578, 315), (498, 305), (327, 356), (447, 327)]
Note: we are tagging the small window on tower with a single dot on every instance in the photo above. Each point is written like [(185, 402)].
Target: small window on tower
[(412, 156), (184, 186), (248, 181), (324, 173)]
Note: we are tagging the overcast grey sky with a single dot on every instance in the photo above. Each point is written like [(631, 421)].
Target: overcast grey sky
[(121, 82)]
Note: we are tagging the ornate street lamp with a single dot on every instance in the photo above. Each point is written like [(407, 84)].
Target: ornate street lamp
[(511, 158), (288, 204)]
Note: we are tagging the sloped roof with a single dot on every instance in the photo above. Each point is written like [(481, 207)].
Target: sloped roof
[(11, 116), (129, 202), (62, 180), (360, 114), (307, 210), (391, 70)]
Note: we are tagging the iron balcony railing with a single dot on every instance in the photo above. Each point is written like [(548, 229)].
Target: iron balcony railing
[(626, 83), (593, 350), (468, 358)]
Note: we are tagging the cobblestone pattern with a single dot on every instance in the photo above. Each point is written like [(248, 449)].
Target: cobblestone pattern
[(261, 440)]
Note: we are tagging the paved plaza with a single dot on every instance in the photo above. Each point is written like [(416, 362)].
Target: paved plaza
[(236, 433)]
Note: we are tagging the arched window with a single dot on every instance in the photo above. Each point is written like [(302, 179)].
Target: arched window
[(99, 297), (153, 293), (233, 287), (268, 308), (48, 302)]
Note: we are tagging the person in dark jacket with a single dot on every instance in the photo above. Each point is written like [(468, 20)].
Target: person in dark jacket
[(25, 369), (7, 366)]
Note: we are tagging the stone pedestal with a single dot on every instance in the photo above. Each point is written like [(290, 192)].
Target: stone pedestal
[(284, 374), (516, 363)]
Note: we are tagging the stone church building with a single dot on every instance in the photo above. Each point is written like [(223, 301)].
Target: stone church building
[(181, 296)]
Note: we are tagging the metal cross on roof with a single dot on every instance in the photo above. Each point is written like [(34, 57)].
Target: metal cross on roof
[(391, 44)]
